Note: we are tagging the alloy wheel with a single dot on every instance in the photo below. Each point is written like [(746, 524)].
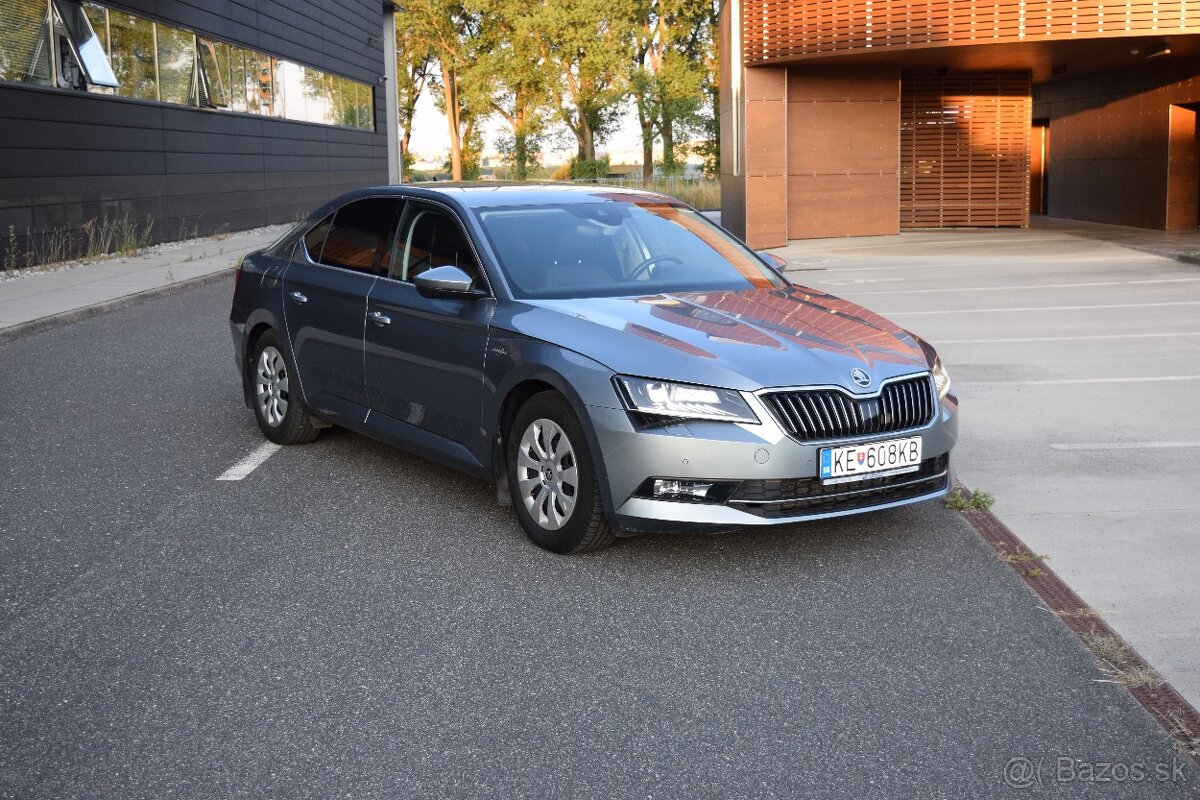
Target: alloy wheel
[(547, 474), (271, 386)]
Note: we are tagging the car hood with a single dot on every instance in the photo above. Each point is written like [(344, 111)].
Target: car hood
[(743, 340)]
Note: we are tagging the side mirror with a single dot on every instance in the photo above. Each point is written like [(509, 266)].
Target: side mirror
[(446, 282), (773, 261)]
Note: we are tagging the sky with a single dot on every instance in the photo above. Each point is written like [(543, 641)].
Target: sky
[(431, 139)]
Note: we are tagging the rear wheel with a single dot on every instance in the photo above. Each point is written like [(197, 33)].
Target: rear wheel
[(277, 407), (551, 478)]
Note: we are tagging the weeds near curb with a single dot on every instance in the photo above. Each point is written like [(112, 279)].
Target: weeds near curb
[(1109, 649), (1022, 556), (1081, 613), (1116, 656), (1186, 740), (10, 256), (962, 500)]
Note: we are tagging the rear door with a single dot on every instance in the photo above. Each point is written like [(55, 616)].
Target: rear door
[(325, 296), (424, 357)]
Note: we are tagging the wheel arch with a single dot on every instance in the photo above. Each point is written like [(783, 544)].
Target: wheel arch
[(258, 323), (523, 384)]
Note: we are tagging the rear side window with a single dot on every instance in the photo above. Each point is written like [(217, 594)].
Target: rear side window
[(314, 240), (358, 236)]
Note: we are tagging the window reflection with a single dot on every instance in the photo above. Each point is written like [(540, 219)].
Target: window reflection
[(131, 44), (176, 63), (110, 51), (24, 49)]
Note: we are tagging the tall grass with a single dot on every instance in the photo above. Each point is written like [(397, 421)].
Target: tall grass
[(96, 238), (701, 193)]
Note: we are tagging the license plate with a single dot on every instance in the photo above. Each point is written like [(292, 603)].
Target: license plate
[(894, 457)]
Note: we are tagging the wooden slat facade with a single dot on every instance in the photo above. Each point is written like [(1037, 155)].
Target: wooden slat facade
[(964, 150), (797, 29)]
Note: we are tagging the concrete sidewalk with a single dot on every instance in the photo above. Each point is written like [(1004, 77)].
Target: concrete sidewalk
[(1075, 350), (34, 300)]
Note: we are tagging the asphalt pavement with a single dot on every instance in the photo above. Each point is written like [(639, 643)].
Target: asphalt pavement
[(351, 621)]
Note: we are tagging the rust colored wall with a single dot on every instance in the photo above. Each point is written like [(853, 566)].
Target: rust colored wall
[(792, 29), (843, 132), (1109, 143), (765, 160)]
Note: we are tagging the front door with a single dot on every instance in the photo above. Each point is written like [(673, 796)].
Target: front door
[(424, 357), (325, 293)]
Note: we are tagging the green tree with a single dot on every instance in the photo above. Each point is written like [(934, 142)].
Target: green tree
[(710, 146), (668, 75), (414, 67), (449, 31), (585, 47), (517, 88)]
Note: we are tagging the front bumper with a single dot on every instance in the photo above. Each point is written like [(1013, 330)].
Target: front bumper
[(774, 477)]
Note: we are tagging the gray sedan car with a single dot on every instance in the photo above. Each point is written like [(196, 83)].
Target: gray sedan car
[(612, 361)]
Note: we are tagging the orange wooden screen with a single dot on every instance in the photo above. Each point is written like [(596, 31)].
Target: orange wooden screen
[(964, 150), (792, 29)]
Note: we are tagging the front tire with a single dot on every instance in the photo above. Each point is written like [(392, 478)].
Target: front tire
[(281, 415), (551, 479)]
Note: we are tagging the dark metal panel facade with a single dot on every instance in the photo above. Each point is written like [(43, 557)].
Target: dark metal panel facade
[(70, 157)]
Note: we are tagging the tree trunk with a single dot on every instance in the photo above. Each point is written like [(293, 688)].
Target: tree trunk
[(587, 145), (451, 97), (668, 140), (647, 126), (520, 156)]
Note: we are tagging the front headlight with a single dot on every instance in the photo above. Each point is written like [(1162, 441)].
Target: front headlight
[(941, 378), (682, 400)]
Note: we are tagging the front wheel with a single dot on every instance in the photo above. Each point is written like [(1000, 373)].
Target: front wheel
[(551, 479)]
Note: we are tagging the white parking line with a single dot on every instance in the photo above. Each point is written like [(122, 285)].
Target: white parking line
[(1020, 339), (981, 264), (1035, 308), (1017, 288), (250, 463), (1123, 445), (1068, 381)]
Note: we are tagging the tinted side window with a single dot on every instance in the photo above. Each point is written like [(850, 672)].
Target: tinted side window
[(358, 236), (314, 240), (431, 237)]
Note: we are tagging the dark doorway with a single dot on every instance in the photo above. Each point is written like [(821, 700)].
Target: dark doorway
[(1039, 155)]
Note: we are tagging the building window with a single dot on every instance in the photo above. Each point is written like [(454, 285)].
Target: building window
[(90, 47), (80, 50), (24, 43), (132, 54)]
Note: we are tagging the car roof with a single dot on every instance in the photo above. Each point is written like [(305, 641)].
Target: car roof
[(490, 194)]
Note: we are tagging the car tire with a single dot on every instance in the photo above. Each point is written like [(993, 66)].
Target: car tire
[(552, 480), (281, 414)]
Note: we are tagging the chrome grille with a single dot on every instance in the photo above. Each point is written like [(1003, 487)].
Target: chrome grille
[(817, 414)]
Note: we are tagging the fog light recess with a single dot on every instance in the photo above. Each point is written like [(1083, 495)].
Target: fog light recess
[(674, 489)]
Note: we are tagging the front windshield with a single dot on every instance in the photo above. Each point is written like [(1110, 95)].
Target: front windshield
[(623, 245)]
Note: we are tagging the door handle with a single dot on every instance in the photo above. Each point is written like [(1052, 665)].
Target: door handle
[(379, 318), (298, 298)]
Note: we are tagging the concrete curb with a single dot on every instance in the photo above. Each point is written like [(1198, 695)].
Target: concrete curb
[(23, 329), (1174, 714)]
